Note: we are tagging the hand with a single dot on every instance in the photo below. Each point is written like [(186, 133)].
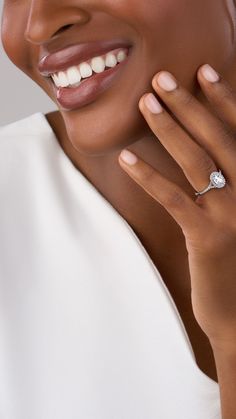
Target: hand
[(208, 222)]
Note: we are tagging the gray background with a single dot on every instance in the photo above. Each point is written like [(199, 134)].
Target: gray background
[(20, 96)]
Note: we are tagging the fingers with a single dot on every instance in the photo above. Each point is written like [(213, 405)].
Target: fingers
[(199, 142), (203, 126), (179, 205), (219, 93), (195, 162)]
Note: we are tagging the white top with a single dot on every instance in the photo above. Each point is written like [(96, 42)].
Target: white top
[(88, 328)]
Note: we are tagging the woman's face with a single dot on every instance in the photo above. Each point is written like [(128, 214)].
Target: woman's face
[(173, 35)]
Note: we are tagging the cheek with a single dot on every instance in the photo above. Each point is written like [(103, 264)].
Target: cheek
[(168, 34), (111, 122), (12, 35), (180, 35)]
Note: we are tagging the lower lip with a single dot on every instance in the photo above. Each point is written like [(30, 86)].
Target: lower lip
[(89, 89)]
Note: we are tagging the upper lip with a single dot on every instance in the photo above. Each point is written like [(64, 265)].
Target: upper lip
[(75, 54)]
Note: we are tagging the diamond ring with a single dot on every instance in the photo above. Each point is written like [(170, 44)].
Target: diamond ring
[(217, 180)]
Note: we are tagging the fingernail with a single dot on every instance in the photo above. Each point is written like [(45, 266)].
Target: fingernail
[(166, 81), (128, 157), (152, 104), (209, 73)]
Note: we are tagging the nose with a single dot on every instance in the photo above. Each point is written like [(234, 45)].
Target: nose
[(47, 18)]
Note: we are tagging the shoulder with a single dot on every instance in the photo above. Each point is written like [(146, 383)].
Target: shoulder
[(22, 142), (34, 124), (21, 137)]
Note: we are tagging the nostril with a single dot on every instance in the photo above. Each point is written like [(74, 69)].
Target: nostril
[(63, 28)]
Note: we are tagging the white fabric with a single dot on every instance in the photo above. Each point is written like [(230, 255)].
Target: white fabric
[(88, 329)]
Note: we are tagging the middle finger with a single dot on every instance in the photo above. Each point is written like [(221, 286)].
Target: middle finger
[(195, 162)]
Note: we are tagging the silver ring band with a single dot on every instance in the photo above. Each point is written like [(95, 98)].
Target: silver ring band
[(217, 180)]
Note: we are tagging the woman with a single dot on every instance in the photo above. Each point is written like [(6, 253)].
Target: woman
[(118, 267)]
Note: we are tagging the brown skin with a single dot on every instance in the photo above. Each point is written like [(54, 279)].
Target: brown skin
[(173, 35), (207, 222)]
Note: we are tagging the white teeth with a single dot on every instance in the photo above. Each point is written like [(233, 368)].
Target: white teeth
[(121, 56), (56, 80), (98, 64), (85, 70), (62, 78), (73, 75), (110, 60)]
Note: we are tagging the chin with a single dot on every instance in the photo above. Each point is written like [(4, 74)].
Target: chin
[(104, 133)]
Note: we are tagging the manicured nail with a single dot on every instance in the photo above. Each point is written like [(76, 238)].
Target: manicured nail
[(128, 157), (166, 81), (209, 73), (152, 103)]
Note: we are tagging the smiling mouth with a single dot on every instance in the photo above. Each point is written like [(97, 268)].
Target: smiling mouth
[(80, 85), (75, 75)]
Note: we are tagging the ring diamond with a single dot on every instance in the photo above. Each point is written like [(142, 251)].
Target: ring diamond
[(217, 180)]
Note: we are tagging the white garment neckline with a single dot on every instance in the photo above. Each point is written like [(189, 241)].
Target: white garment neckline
[(92, 188)]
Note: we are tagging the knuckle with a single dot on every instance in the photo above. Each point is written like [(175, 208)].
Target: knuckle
[(204, 163), (168, 125), (228, 140), (227, 94), (147, 175), (225, 136), (187, 99), (174, 199)]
